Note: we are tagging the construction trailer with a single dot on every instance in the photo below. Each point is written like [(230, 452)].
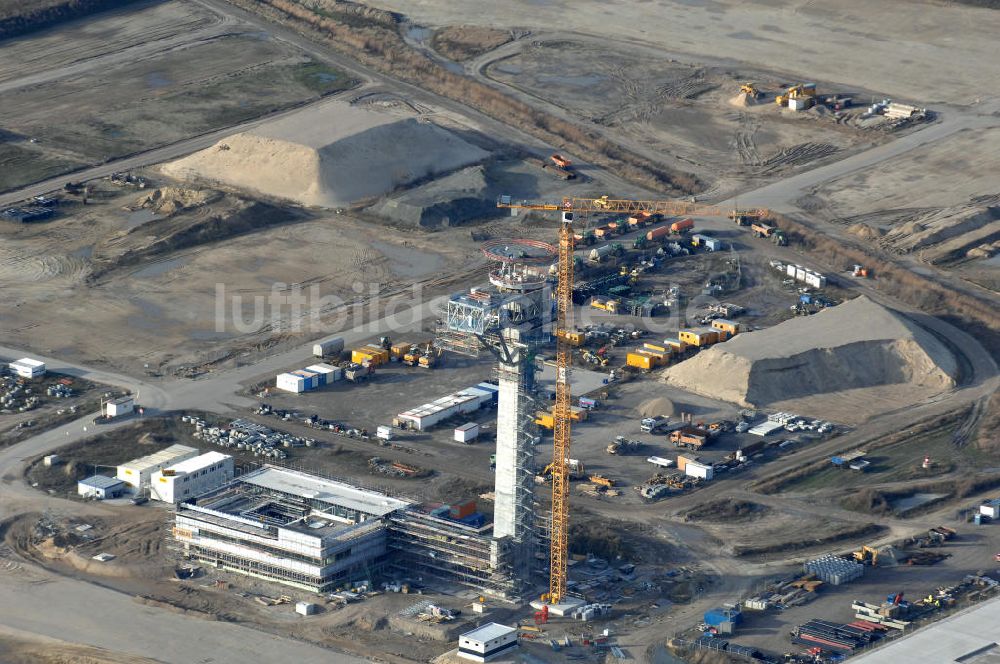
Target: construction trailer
[(699, 336), (138, 472), (487, 642), (27, 367), (191, 478)]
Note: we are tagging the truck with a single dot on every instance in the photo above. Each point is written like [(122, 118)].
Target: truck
[(328, 347), (690, 437), (682, 226), (654, 424), (761, 230)]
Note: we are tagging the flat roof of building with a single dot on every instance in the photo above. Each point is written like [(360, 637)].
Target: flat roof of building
[(101, 482), (313, 487), (968, 637), (162, 457), (488, 632), (194, 464), (122, 400), (29, 362)]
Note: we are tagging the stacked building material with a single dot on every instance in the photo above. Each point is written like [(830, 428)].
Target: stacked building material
[(834, 569), (833, 637)]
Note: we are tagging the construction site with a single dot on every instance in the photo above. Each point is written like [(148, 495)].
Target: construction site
[(423, 332)]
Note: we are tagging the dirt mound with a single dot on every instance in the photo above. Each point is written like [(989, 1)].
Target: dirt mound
[(168, 200), (859, 344), (330, 156), (742, 100), (658, 406), (865, 232)]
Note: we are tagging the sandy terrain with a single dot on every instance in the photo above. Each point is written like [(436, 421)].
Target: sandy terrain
[(858, 344), (937, 205), (330, 155), (807, 39)]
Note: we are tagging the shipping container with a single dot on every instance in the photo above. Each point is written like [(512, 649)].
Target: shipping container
[(290, 383), (682, 226), (463, 510), (700, 470), (467, 433), (640, 360), (384, 433), (328, 347), (398, 350)]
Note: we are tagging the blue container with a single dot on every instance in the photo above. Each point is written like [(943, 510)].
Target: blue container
[(978, 519)]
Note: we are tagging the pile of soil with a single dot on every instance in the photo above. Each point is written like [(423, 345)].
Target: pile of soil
[(330, 156), (168, 200), (858, 344)]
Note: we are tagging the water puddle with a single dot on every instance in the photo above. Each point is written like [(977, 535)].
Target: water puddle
[(407, 261), (904, 505), (139, 217), (157, 80)]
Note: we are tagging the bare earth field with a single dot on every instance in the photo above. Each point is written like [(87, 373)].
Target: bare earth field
[(770, 35), (937, 205), (677, 109), (148, 281)]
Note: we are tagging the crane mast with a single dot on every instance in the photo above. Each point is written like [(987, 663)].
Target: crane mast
[(559, 547)]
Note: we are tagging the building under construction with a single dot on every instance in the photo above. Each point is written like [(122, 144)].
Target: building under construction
[(320, 534)]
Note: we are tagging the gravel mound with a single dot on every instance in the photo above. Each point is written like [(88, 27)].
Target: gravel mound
[(448, 201), (330, 155), (658, 406), (859, 344)]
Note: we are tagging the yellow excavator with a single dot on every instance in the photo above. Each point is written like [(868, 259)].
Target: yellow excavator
[(867, 555), (750, 89)]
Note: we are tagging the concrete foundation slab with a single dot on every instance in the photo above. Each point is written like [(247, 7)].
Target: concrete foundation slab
[(563, 608)]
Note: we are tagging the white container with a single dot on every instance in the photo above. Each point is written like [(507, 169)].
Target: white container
[(467, 432), (290, 383), (700, 470), (384, 432), (327, 347), (306, 608)]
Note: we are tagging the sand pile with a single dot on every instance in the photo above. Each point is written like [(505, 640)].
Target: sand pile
[(859, 344), (168, 200), (330, 155), (865, 232)]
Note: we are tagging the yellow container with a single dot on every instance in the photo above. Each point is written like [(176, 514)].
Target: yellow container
[(639, 360), (400, 349)]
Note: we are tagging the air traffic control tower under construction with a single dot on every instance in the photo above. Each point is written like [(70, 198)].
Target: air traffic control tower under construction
[(510, 318)]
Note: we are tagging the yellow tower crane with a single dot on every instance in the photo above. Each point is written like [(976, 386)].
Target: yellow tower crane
[(559, 547)]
